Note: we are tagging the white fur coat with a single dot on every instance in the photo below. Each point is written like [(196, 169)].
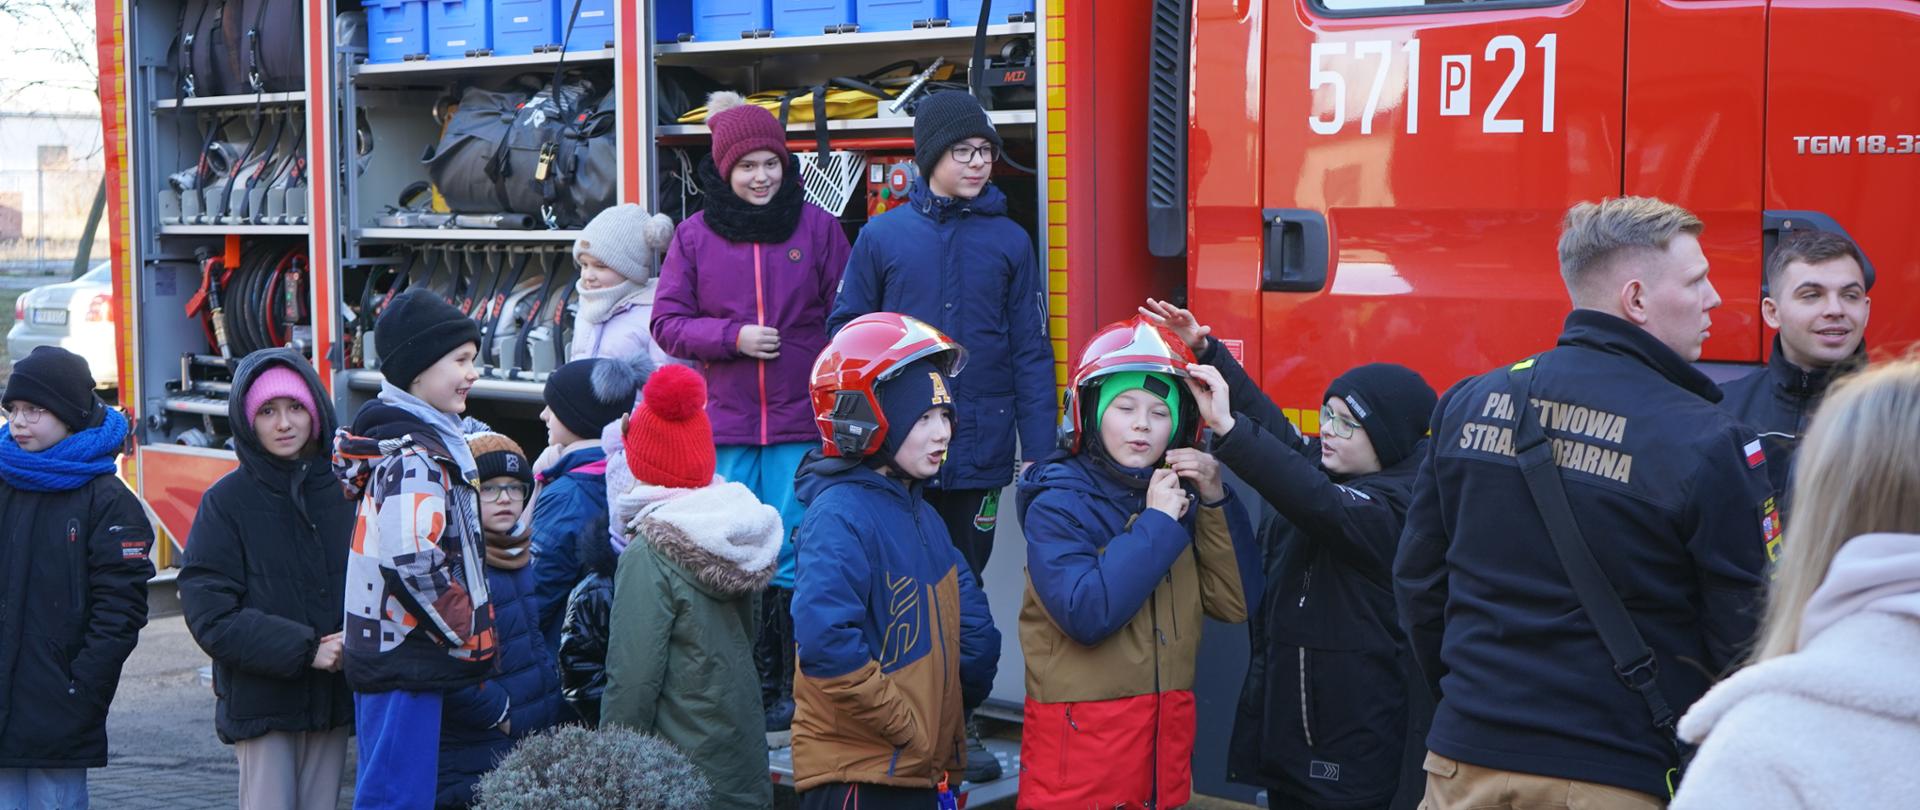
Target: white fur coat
[(1837, 724), (720, 534)]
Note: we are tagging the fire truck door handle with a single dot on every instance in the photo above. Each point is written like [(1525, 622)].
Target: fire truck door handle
[(1777, 223), (1295, 256)]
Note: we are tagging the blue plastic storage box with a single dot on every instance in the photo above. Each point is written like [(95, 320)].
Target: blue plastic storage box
[(592, 28), (898, 15), (396, 29), (722, 20), (456, 28), (967, 12), (811, 18), (671, 18), (523, 26)]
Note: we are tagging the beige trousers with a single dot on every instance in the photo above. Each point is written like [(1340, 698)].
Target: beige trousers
[(292, 770), (1456, 785)]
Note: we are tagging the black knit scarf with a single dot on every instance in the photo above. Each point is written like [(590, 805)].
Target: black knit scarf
[(737, 220)]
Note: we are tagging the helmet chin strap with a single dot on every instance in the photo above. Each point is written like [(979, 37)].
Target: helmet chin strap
[(1132, 477)]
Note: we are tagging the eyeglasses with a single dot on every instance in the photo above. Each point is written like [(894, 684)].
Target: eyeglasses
[(503, 492), (965, 152), (27, 414), (1336, 425)]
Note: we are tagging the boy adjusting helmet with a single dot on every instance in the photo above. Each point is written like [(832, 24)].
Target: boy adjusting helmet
[(869, 350), (1141, 354)]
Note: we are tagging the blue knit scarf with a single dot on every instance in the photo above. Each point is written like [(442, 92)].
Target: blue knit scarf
[(66, 466)]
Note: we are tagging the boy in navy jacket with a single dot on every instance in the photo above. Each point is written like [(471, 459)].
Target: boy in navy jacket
[(881, 682)]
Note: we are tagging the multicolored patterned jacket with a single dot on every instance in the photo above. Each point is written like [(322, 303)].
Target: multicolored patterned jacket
[(418, 616)]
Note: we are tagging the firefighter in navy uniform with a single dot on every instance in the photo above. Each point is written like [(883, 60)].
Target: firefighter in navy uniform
[(1669, 491), (1817, 298)]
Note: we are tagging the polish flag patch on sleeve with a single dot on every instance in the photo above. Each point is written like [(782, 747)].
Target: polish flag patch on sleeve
[(1754, 455)]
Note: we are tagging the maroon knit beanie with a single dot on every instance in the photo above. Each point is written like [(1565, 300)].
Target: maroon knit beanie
[(669, 441), (740, 128)]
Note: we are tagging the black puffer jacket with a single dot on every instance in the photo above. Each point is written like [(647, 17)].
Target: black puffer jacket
[(262, 577), (73, 597), (1323, 718), (583, 639)]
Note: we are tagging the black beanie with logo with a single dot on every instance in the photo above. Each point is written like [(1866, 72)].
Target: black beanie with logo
[(1392, 402)]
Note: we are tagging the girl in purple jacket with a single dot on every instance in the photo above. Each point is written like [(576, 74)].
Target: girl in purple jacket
[(744, 293)]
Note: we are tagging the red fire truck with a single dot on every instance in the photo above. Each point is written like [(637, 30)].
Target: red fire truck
[(1383, 179)]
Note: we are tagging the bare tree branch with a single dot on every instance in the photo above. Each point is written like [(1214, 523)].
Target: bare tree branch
[(63, 34)]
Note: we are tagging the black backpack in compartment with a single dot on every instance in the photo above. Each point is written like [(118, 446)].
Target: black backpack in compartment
[(511, 151), (266, 46), (458, 164), (588, 180)]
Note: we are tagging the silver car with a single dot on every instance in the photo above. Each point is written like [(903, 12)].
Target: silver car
[(75, 315)]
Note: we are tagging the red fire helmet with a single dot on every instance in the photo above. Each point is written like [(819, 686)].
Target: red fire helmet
[(868, 350), (1135, 344)]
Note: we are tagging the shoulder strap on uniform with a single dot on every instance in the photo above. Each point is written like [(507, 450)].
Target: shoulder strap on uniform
[(1633, 661)]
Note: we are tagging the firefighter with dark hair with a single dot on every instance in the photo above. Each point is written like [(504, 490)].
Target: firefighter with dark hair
[(1816, 285)]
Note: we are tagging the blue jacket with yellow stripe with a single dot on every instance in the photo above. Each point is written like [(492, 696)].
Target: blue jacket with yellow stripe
[(894, 636)]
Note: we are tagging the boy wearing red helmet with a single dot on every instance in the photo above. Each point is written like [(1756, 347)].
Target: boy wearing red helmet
[(894, 636), (1131, 538)]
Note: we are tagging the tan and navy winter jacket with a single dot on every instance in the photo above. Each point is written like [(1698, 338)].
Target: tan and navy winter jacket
[(894, 637), (1116, 593)]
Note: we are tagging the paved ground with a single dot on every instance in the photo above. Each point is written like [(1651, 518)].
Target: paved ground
[(162, 753)]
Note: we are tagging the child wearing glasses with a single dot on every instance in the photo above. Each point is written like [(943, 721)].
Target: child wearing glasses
[(1324, 717), (954, 259), (73, 578), (521, 695)]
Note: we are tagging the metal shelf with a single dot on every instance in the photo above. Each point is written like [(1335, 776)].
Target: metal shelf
[(492, 388), (437, 66), (687, 53), (467, 235), (1001, 118), (246, 100), (234, 230)]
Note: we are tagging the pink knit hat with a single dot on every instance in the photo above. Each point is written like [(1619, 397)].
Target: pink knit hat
[(740, 128), (278, 381)]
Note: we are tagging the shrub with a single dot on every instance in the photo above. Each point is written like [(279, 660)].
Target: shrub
[(611, 768)]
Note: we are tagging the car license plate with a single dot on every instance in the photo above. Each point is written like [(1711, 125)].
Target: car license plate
[(50, 317)]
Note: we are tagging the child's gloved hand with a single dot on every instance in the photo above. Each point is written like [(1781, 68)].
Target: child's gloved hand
[(1184, 325), (1210, 396), (1164, 494), (1202, 469)]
